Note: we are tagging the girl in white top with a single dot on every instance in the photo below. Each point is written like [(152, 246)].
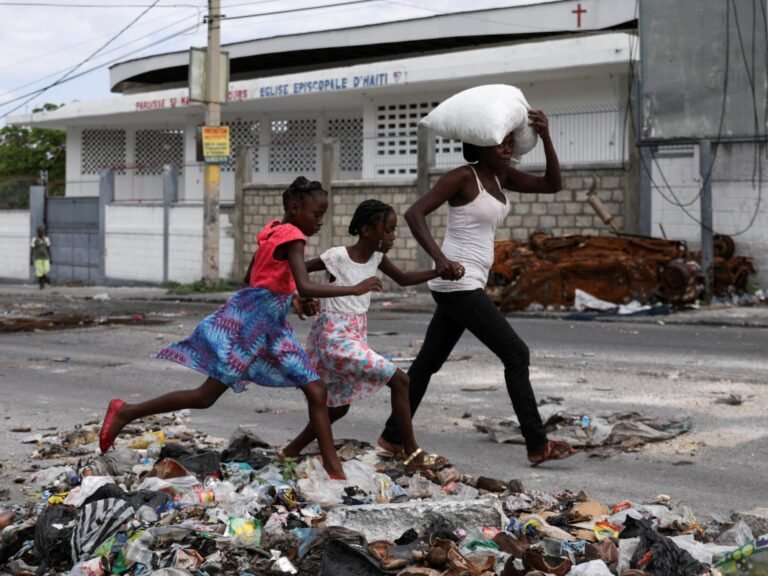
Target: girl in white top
[(338, 339), (477, 205)]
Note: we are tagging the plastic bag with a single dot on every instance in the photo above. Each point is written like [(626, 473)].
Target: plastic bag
[(316, 486), (361, 475), (149, 438), (593, 568), (420, 487), (245, 532), (750, 559), (737, 535)]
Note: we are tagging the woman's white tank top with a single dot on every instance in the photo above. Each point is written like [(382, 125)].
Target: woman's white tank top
[(469, 239)]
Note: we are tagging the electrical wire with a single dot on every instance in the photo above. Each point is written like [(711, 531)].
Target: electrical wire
[(52, 5), (83, 62), (468, 17), (293, 10), (191, 30), (647, 169), (676, 201), (115, 60)]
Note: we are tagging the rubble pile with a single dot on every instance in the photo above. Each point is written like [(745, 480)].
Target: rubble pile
[(547, 271), (170, 501)]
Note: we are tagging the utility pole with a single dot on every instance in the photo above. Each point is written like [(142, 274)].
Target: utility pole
[(212, 174)]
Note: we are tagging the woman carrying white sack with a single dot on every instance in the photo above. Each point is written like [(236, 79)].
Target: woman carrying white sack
[(496, 126)]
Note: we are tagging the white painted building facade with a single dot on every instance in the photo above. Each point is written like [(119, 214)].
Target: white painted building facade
[(570, 58), (372, 107)]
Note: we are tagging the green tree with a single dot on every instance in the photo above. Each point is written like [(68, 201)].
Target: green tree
[(24, 153)]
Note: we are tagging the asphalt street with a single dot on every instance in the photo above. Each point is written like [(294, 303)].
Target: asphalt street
[(657, 368)]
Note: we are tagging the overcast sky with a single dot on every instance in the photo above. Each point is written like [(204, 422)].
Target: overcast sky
[(39, 44)]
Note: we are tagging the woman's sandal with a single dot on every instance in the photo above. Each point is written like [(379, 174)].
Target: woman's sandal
[(105, 440), (428, 462), (552, 450), (389, 453)]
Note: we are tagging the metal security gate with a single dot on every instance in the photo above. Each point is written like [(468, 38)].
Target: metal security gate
[(73, 228)]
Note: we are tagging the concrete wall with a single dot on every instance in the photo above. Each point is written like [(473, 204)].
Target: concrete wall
[(738, 209), (134, 243), (15, 238), (564, 213)]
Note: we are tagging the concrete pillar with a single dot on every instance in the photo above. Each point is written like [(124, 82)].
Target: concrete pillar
[(106, 196), (243, 176), (707, 248), (425, 165), (329, 173), (646, 167), (170, 195)]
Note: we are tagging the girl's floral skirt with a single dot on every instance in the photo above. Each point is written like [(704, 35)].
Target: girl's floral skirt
[(248, 339), (338, 347)]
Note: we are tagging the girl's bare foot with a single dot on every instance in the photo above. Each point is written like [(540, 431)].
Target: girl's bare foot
[(335, 473)]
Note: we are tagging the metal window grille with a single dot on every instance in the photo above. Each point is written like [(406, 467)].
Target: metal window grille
[(349, 133), (293, 147), (243, 133), (156, 148), (103, 148), (397, 137)]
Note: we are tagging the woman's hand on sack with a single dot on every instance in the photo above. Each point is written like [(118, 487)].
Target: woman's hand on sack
[(539, 122)]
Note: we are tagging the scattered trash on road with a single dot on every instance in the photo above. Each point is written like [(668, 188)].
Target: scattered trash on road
[(171, 501)]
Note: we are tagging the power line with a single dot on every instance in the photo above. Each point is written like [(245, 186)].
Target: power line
[(647, 169), (79, 65), (94, 68), (293, 10), (60, 70), (52, 5)]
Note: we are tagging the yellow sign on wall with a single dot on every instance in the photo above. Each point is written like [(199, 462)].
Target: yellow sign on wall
[(216, 146)]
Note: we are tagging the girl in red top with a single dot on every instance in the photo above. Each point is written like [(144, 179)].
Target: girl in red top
[(249, 338)]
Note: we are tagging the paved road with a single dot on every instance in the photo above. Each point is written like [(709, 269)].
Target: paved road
[(60, 378)]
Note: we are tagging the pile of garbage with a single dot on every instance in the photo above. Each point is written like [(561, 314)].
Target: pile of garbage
[(548, 271), (170, 501)]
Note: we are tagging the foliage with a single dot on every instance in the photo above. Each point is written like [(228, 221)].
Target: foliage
[(24, 152), (200, 287)]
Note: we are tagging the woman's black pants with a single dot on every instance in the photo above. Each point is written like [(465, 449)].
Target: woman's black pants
[(473, 310)]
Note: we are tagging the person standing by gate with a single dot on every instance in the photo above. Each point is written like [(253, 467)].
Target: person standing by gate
[(40, 257), (476, 206)]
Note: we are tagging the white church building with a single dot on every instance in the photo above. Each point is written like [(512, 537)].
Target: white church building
[(365, 87)]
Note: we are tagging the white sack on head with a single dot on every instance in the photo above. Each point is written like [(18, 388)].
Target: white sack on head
[(483, 116)]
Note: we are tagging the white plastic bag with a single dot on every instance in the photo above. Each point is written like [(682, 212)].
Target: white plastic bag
[(483, 116), (316, 486), (593, 568)]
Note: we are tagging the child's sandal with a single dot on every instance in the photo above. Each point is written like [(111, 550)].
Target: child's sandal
[(427, 462), (106, 441)]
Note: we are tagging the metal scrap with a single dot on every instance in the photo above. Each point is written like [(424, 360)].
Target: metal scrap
[(548, 270)]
